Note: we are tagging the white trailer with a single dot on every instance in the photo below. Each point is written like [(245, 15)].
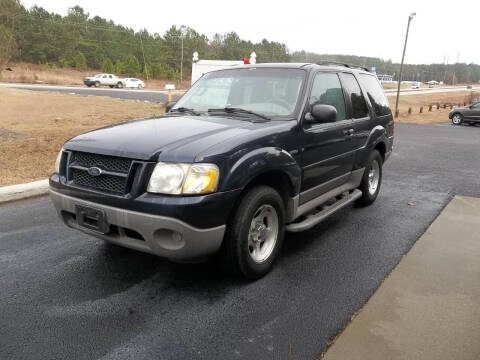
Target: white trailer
[(200, 67)]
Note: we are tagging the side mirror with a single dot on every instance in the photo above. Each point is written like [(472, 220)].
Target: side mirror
[(169, 106), (322, 114)]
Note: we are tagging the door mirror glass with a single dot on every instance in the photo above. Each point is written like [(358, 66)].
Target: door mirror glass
[(323, 114)]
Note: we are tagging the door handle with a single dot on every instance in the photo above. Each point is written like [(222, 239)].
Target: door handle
[(348, 132)]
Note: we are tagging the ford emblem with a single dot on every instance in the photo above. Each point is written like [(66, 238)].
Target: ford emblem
[(94, 171)]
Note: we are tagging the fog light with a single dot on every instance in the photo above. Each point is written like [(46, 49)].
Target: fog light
[(169, 239)]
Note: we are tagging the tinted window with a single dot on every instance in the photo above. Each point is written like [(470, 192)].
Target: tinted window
[(268, 91), (359, 107), (376, 94), (326, 90)]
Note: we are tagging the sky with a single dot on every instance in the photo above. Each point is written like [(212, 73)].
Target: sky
[(441, 31)]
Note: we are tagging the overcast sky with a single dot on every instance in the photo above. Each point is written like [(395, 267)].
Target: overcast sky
[(441, 29)]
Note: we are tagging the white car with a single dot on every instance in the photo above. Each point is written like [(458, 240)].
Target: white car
[(133, 83)]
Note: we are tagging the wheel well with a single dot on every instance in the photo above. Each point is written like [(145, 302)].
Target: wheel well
[(276, 179), (382, 149)]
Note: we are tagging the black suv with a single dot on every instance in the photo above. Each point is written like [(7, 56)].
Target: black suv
[(469, 114), (246, 154)]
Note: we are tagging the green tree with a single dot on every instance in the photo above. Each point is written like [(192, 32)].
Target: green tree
[(119, 67), (107, 66), (80, 61), (9, 13), (132, 66)]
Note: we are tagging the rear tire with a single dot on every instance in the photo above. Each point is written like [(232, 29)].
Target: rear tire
[(371, 180), (254, 234), (457, 119), (119, 85)]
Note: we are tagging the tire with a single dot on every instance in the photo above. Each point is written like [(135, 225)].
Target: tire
[(97, 84), (140, 86), (119, 85), (243, 251), (371, 180), (89, 85), (457, 119)]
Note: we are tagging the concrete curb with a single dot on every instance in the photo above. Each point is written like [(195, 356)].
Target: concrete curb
[(23, 191)]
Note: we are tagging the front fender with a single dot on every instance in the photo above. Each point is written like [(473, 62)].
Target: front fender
[(260, 161)]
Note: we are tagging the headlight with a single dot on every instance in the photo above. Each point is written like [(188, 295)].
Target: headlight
[(171, 178), (57, 161)]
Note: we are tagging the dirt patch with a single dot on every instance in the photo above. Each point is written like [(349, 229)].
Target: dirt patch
[(8, 134), (35, 124)]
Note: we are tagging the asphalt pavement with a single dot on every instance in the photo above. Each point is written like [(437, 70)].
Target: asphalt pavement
[(162, 96), (129, 94), (67, 295)]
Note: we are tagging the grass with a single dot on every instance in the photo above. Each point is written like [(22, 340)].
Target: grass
[(418, 100), (35, 124), (42, 74), (394, 86)]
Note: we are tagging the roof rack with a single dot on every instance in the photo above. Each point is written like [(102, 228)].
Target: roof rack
[(350, 66)]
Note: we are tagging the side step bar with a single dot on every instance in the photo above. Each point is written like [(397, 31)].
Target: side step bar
[(324, 211)]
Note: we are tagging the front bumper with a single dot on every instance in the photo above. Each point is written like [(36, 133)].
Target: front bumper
[(159, 235)]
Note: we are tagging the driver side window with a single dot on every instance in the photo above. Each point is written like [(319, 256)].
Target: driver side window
[(327, 90)]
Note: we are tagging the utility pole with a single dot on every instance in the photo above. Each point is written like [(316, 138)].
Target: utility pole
[(181, 62), (401, 64), (145, 70)]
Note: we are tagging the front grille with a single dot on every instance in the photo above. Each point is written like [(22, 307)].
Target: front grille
[(112, 180), (111, 163)]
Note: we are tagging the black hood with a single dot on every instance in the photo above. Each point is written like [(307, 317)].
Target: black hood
[(169, 138)]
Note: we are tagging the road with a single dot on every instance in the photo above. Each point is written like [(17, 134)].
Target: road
[(404, 91), (161, 95), (129, 94), (66, 295)]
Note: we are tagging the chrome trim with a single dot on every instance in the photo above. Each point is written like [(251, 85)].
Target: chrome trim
[(353, 182)]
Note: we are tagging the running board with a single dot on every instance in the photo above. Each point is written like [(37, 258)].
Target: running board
[(324, 211)]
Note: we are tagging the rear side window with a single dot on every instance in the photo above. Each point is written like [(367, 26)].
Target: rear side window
[(376, 94), (326, 90), (359, 106)]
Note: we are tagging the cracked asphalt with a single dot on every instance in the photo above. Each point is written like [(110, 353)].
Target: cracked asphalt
[(66, 295)]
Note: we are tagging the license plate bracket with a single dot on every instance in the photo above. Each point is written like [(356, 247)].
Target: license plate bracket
[(92, 219)]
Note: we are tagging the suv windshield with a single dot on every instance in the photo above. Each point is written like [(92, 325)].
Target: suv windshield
[(270, 92)]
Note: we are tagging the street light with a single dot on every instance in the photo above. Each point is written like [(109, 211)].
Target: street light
[(412, 15)]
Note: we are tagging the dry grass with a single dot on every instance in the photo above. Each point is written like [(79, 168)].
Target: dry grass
[(418, 100), (42, 74), (34, 125)]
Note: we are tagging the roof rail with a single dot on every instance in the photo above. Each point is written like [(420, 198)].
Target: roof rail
[(350, 66)]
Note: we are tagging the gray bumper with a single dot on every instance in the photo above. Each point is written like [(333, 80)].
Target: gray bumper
[(162, 236)]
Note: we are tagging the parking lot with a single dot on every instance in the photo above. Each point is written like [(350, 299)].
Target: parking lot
[(66, 295)]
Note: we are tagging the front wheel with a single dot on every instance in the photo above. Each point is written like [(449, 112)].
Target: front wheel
[(457, 119), (119, 85), (254, 234), (97, 83), (372, 179)]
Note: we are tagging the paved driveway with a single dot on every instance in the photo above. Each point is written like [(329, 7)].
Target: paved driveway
[(65, 295)]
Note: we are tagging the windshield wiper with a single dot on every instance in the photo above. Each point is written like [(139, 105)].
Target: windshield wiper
[(233, 110), (184, 110)]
